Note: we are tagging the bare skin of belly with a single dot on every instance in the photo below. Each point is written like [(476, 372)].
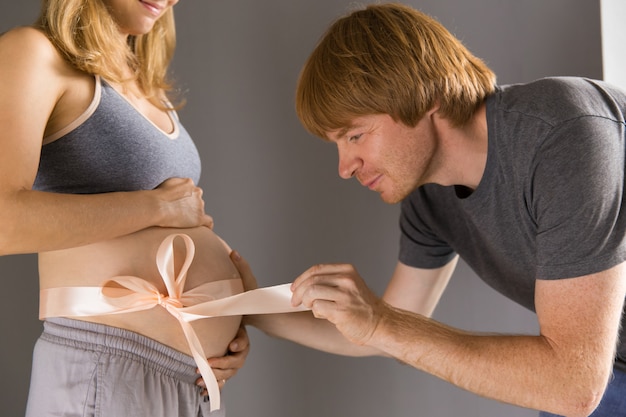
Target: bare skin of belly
[(135, 255)]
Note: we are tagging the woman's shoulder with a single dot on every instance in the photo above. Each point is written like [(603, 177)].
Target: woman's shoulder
[(26, 45), (25, 37), (30, 58)]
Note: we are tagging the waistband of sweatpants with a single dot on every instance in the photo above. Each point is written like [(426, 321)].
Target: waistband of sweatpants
[(117, 341)]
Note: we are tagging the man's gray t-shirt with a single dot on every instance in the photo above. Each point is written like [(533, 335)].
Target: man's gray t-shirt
[(550, 204)]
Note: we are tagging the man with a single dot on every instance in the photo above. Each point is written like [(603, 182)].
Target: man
[(524, 182)]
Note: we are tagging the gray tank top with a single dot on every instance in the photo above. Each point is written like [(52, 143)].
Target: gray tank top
[(113, 147)]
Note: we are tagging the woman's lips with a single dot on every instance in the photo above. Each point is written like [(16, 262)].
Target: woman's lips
[(155, 9)]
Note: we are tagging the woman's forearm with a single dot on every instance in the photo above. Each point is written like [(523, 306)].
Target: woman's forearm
[(306, 330), (34, 221)]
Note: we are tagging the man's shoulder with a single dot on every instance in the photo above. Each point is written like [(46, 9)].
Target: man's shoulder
[(552, 84), (557, 99)]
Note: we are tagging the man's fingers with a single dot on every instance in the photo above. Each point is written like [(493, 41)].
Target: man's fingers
[(322, 270), (323, 286)]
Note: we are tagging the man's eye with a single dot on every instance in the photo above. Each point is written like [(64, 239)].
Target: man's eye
[(354, 138)]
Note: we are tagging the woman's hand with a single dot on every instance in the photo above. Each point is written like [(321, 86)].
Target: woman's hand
[(181, 204), (249, 281), (227, 366)]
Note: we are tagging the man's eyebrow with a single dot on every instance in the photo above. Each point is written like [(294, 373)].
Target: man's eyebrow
[(342, 132)]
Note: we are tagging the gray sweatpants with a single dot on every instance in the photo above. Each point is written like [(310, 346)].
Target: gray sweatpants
[(84, 369)]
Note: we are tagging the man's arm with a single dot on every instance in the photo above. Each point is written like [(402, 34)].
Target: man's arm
[(563, 370), (410, 288), (418, 290)]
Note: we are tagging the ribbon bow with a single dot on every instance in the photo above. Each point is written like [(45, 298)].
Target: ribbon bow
[(126, 294)]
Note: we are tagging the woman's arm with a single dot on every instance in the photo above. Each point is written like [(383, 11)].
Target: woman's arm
[(34, 83)]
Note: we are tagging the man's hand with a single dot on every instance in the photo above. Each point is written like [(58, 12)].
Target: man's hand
[(181, 204), (227, 366), (337, 293)]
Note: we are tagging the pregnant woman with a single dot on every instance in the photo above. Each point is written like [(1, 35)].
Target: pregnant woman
[(96, 174)]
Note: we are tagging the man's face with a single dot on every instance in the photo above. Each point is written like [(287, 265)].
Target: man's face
[(386, 156)]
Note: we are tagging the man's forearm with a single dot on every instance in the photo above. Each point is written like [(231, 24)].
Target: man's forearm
[(523, 370)]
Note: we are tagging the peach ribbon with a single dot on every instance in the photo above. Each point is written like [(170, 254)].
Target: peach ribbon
[(125, 294)]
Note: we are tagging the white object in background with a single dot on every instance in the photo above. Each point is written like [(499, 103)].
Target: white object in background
[(613, 16)]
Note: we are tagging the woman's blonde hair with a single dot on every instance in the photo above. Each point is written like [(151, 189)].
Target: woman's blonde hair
[(389, 59), (88, 37)]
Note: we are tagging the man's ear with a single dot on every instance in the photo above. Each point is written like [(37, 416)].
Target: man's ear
[(434, 109)]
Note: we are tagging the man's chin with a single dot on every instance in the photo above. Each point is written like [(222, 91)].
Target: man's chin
[(390, 198)]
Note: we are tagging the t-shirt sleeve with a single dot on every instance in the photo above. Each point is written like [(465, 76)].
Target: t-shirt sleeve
[(577, 197), (420, 246)]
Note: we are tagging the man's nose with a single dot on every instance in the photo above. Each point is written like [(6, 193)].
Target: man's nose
[(348, 165)]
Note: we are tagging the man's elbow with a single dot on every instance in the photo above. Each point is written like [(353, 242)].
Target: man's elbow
[(580, 407), (582, 401)]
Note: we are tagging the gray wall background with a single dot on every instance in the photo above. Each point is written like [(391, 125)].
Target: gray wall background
[(276, 197)]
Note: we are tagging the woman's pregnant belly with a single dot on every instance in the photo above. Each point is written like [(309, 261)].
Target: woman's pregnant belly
[(135, 255)]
